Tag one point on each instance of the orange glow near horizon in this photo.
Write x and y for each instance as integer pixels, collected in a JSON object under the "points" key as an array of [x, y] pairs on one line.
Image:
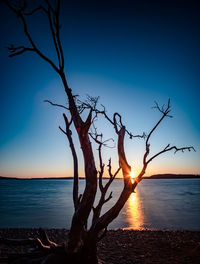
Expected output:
{"points": [[46, 172]]}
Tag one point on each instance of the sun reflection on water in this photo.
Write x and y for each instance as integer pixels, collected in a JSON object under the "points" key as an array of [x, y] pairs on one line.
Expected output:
{"points": [[134, 212]]}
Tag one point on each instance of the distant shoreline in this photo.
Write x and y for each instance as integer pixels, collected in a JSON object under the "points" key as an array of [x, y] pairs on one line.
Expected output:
{"points": [[156, 176]]}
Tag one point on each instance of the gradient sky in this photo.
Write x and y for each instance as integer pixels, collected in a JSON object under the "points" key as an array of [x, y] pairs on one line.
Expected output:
{"points": [[128, 52]]}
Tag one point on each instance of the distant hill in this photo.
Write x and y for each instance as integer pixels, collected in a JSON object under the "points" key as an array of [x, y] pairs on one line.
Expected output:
{"points": [[48, 178], [8, 178], [174, 176]]}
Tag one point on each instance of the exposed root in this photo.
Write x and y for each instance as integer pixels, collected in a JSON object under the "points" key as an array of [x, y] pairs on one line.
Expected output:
{"points": [[43, 250]]}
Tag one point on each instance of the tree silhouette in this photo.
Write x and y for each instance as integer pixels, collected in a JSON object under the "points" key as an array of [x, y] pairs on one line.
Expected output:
{"points": [[81, 243]]}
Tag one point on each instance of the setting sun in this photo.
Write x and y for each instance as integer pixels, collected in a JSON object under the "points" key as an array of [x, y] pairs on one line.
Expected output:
{"points": [[132, 174]]}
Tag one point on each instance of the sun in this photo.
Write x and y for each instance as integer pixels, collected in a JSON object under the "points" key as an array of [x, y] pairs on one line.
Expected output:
{"points": [[132, 174]]}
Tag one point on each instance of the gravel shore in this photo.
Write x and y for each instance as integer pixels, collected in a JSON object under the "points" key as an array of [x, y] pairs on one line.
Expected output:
{"points": [[127, 246]]}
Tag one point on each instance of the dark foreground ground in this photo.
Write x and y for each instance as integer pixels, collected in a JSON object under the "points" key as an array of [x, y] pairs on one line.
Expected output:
{"points": [[128, 246]]}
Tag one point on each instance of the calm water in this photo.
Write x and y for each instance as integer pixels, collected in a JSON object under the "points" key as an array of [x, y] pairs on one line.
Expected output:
{"points": [[157, 204]]}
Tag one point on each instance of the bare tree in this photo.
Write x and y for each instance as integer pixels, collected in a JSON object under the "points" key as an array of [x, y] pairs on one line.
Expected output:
{"points": [[81, 243]]}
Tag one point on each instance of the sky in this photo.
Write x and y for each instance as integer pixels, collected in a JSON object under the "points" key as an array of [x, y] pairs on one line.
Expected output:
{"points": [[130, 53]]}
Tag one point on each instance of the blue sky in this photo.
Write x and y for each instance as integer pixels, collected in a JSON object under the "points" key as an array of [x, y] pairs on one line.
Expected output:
{"points": [[129, 53]]}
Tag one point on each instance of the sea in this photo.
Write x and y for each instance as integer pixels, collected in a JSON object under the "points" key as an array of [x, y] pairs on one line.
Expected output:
{"points": [[167, 204]]}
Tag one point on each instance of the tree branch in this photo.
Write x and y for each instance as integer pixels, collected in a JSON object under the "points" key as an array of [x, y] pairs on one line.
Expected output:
{"points": [[14, 51], [117, 125], [102, 222], [97, 210], [57, 25], [68, 133], [54, 36], [30, 13], [165, 113], [19, 13], [109, 197], [167, 148], [59, 105]]}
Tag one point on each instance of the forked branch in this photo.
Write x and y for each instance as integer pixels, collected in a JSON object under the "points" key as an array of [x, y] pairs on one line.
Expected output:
{"points": [[116, 121], [165, 113], [104, 189], [103, 221], [18, 50], [14, 51]]}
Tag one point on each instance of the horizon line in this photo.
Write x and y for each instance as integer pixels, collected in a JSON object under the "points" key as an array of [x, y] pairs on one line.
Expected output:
{"points": [[173, 175]]}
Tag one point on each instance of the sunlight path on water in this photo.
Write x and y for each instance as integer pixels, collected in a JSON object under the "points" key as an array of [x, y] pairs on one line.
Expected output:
{"points": [[134, 211]]}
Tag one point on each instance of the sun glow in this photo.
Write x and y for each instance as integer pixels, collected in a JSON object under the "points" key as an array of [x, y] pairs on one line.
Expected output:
{"points": [[132, 174]]}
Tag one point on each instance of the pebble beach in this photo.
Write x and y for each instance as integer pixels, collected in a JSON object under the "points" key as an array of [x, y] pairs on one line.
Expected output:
{"points": [[126, 246]]}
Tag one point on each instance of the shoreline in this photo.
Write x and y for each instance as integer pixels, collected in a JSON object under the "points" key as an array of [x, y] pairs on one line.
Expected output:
{"points": [[126, 246]]}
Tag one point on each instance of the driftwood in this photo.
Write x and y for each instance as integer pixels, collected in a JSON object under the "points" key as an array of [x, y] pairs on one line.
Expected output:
{"points": [[39, 249]]}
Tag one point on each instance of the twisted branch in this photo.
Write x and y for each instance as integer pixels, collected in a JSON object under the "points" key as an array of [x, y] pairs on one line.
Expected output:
{"points": [[118, 125]]}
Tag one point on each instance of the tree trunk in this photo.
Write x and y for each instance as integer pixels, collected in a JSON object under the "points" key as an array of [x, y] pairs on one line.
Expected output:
{"points": [[87, 254]]}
